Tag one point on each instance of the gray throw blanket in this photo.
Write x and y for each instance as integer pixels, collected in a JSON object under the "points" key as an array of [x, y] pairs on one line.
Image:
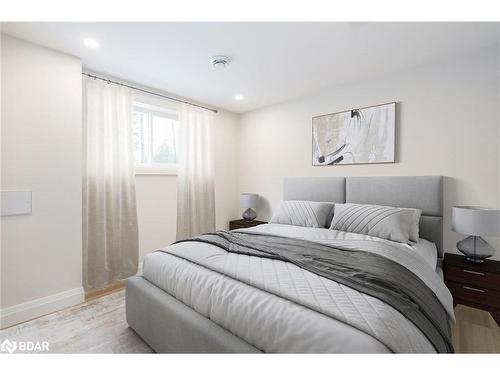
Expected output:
{"points": [[363, 271]]}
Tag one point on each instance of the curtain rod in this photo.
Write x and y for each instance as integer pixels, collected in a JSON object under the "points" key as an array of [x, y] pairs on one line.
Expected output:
{"points": [[148, 92]]}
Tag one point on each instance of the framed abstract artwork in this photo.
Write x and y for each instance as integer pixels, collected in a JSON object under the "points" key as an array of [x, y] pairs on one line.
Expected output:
{"points": [[359, 136]]}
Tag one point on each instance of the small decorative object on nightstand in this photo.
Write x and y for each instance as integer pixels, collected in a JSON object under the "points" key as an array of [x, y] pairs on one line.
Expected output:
{"points": [[238, 224], [249, 201], [476, 285], [476, 221]]}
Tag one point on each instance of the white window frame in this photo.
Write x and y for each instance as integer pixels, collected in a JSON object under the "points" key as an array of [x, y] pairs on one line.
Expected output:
{"points": [[156, 168]]}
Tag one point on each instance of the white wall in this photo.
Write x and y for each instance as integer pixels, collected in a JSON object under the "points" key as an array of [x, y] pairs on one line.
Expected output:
{"points": [[227, 154], [156, 197], [41, 253], [448, 124], [157, 194]]}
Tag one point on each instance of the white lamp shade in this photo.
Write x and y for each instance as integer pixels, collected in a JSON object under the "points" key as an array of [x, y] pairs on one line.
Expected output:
{"points": [[476, 221], [249, 200]]}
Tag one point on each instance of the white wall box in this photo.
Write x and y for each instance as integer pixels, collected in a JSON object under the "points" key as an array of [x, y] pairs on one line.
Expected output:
{"points": [[15, 202]]}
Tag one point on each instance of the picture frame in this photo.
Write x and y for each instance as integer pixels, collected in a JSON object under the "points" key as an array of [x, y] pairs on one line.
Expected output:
{"points": [[365, 135]]}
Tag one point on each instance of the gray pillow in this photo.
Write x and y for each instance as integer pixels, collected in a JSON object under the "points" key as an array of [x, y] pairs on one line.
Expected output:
{"points": [[390, 223], [303, 213]]}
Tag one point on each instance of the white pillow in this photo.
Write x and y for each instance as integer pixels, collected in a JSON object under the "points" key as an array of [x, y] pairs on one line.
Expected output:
{"points": [[427, 250], [390, 223], [303, 213]]}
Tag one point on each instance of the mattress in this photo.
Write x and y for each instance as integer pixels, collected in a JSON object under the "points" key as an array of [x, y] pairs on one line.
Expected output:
{"points": [[279, 307]]}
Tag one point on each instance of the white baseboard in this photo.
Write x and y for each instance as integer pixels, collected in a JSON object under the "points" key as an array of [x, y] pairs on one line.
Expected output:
{"points": [[33, 309]]}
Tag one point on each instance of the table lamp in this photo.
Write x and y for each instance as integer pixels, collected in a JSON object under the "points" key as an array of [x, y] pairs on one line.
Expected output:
{"points": [[249, 202], [476, 222]]}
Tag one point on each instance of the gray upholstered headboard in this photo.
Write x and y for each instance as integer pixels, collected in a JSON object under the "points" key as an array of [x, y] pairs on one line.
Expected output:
{"points": [[423, 192]]}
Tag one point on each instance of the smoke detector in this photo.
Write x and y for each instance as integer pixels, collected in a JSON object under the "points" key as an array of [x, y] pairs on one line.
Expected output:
{"points": [[220, 62]]}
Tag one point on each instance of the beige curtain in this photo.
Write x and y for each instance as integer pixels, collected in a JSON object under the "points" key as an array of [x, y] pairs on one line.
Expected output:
{"points": [[110, 234], [195, 179]]}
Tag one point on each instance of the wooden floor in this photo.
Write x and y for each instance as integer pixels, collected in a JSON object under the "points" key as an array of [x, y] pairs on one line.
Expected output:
{"points": [[475, 331], [99, 326], [104, 292], [96, 326]]}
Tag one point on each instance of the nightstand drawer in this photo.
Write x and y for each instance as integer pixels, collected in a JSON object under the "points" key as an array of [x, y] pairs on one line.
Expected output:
{"points": [[473, 277], [475, 294], [240, 224]]}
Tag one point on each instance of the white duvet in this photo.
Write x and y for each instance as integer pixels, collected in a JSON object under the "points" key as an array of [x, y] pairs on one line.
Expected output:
{"points": [[279, 307]]}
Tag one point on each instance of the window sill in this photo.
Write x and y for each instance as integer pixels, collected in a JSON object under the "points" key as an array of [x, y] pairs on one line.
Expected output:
{"points": [[155, 171]]}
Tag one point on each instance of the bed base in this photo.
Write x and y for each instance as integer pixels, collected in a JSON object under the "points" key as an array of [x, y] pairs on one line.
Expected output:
{"points": [[169, 326]]}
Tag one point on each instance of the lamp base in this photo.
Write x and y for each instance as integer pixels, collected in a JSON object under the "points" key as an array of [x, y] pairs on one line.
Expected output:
{"points": [[475, 249], [249, 214], [475, 260]]}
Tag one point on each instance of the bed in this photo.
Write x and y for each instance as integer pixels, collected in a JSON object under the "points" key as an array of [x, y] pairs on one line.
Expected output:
{"points": [[195, 297]]}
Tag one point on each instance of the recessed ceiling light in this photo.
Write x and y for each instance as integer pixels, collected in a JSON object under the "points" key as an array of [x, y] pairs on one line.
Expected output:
{"points": [[239, 97], [91, 43]]}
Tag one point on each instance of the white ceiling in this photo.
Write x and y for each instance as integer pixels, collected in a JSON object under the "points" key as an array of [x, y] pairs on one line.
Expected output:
{"points": [[271, 62]]}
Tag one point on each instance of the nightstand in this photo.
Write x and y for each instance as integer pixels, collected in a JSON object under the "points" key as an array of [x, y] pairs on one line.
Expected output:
{"points": [[238, 224], [476, 285]]}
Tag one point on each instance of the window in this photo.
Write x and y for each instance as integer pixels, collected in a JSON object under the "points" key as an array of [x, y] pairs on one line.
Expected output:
{"points": [[155, 139]]}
